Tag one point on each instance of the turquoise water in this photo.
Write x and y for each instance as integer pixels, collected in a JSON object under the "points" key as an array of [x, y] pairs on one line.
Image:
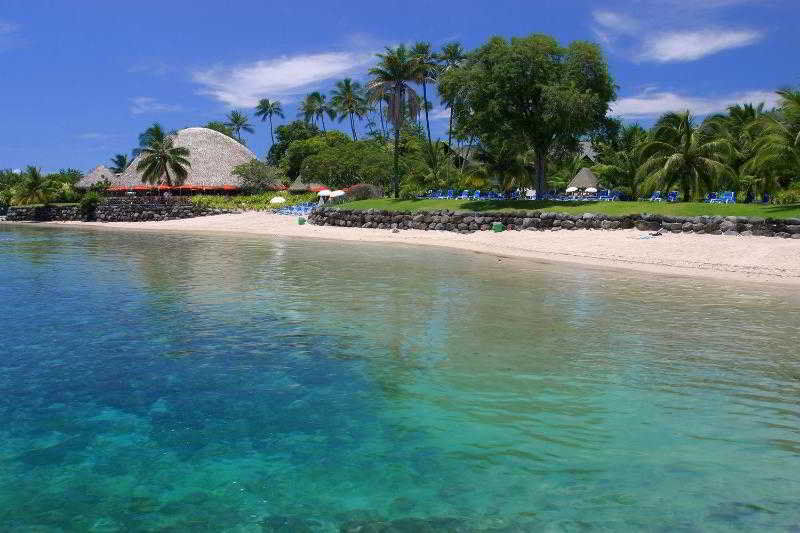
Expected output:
{"points": [[157, 382]]}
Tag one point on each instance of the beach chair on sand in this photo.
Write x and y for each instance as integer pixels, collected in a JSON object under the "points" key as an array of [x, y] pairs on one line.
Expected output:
{"points": [[672, 196], [656, 197]]}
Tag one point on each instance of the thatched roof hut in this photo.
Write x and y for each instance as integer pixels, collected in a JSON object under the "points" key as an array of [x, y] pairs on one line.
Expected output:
{"points": [[299, 186], [212, 155], [584, 179], [99, 174]]}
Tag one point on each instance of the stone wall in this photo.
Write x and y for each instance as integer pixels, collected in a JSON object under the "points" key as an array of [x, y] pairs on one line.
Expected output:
{"points": [[116, 210], [467, 222], [44, 214]]}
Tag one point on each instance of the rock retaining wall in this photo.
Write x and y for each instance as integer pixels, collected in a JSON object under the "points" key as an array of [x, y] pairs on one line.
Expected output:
{"points": [[114, 210], [467, 222]]}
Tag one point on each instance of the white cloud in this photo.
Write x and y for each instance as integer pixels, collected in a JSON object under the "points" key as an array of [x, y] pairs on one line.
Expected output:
{"points": [[7, 27], [652, 103], [693, 45], [440, 113], [616, 22], [96, 136], [146, 104], [283, 77]]}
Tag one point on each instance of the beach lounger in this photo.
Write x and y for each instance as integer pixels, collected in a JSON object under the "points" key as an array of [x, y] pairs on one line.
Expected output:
{"points": [[464, 195], [477, 195], [656, 197], [672, 196]]}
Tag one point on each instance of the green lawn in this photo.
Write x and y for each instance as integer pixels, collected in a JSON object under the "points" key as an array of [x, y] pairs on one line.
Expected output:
{"points": [[576, 208]]}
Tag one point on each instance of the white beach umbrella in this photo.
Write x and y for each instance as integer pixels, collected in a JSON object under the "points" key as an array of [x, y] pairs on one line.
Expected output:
{"points": [[572, 189], [336, 194], [591, 189], [277, 200], [325, 192]]}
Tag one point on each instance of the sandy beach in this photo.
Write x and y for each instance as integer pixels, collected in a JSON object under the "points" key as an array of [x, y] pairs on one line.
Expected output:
{"points": [[755, 259]]}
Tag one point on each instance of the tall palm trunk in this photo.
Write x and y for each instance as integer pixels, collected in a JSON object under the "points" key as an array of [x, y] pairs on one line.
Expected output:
{"points": [[271, 135], [353, 127], [425, 103], [380, 110], [396, 161], [322, 116], [450, 128]]}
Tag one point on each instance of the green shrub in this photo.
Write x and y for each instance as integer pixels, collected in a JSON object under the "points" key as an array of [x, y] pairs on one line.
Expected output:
{"points": [[258, 176], [88, 203], [251, 202], [787, 197]]}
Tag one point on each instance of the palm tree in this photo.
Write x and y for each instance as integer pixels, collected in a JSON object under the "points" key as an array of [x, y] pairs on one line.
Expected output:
{"points": [[778, 149], [33, 188], [315, 107], [391, 77], [503, 161], [620, 167], [163, 162], [348, 100], [119, 163], [742, 127], [680, 154], [266, 109], [220, 127], [156, 130], [428, 69], [452, 56], [238, 121]]}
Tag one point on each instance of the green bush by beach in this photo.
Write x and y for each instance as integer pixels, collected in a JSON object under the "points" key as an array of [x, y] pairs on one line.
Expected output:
{"points": [[575, 208], [252, 202]]}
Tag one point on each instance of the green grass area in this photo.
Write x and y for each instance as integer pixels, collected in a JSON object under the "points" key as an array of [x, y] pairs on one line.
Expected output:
{"points": [[254, 202], [576, 208]]}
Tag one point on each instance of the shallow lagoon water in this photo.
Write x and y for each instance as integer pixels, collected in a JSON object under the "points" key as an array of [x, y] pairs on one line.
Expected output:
{"points": [[164, 382]]}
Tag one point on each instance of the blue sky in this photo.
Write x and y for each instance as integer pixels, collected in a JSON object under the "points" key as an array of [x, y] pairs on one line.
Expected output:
{"points": [[82, 78]]}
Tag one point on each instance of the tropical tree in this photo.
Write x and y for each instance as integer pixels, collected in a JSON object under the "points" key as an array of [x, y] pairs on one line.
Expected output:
{"points": [[285, 135], [163, 162], [348, 99], [266, 109], [391, 77], [220, 127], [33, 188], [452, 56], [742, 127], [680, 154], [531, 90], [778, 148], [119, 163], [499, 160], [428, 69], [156, 130], [620, 158], [315, 107], [238, 121]]}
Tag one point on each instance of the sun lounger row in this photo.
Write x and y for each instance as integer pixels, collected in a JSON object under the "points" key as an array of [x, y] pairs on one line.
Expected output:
{"points": [[297, 209]]}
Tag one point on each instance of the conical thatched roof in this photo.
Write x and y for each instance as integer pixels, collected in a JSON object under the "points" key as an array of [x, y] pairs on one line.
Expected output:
{"points": [[100, 173], [212, 155], [299, 186], [583, 179]]}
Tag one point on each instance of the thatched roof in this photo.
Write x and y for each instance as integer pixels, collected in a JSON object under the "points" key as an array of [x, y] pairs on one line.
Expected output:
{"points": [[583, 179], [212, 155], [100, 173], [299, 186]]}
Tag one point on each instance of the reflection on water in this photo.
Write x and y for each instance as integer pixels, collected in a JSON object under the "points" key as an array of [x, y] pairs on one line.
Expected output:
{"points": [[183, 383]]}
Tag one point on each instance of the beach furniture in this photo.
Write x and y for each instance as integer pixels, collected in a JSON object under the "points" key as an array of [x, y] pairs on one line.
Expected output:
{"points": [[710, 198], [477, 195], [765, 198], [728, 197], [464, 195], [656, 197], [672, 196]]}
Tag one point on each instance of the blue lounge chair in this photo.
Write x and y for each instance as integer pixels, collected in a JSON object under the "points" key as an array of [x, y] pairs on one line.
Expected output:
{"points": [[464, 195], [710, 198], [450, 194], [656, 197], [672, 196], [765, 198], [729, 197], [477, 195]]}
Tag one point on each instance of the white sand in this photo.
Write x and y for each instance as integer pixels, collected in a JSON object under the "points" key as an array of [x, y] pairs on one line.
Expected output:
{"points": [[758, 259]]}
